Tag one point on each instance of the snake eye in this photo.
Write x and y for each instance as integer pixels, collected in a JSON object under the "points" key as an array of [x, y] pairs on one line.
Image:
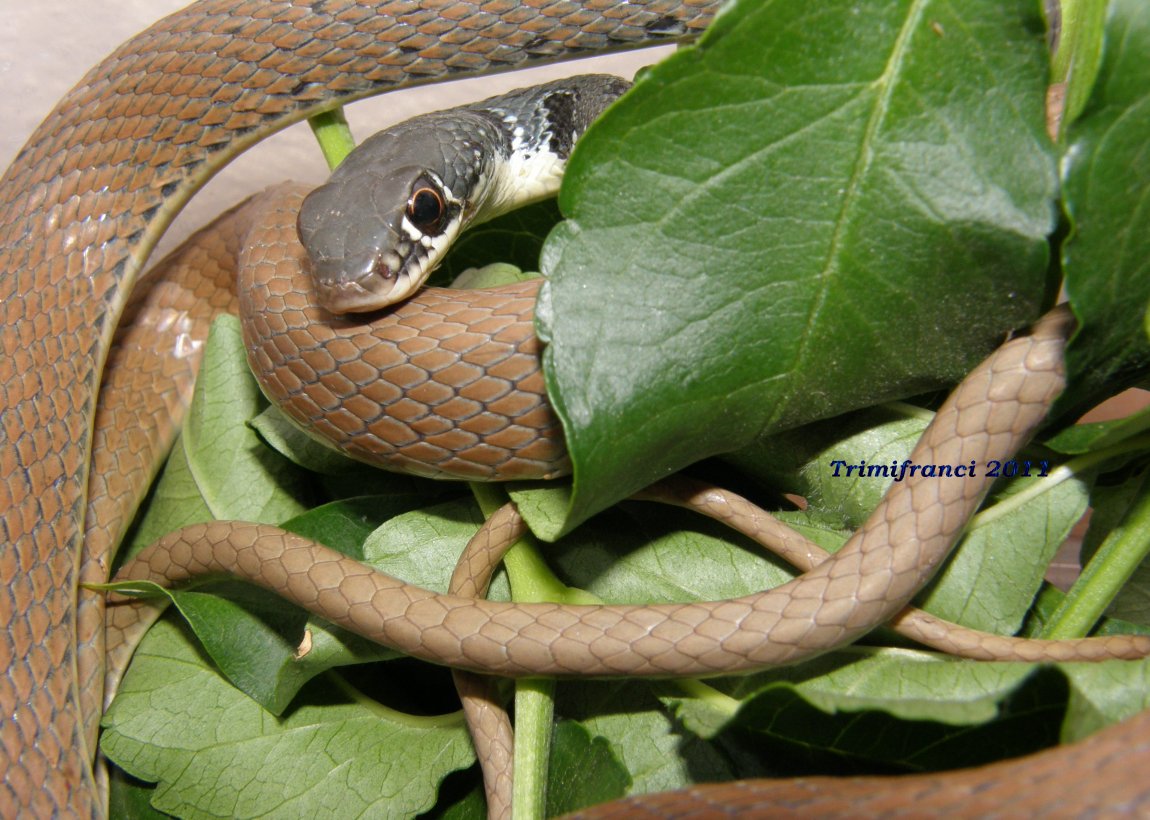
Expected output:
{"points": [[426, 210]]}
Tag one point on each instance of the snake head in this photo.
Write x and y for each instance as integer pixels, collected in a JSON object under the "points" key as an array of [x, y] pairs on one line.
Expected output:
{"points": [[372, 242], [382, 223]]}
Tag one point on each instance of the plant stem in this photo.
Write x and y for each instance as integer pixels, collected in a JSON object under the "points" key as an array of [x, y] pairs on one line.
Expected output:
{"points": [[531, 580], [1119, 555], [333, 135], [534, 715]]}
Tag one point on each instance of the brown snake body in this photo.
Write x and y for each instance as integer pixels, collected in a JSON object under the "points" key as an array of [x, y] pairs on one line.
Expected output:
{"points": [[79, 212]]}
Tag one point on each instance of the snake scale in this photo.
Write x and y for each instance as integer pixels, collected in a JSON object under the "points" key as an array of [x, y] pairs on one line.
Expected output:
{"points": [[79, 212]]}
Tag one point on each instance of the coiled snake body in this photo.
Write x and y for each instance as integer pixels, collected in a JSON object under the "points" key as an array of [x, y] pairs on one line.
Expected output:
{"points": [[79, 212]]}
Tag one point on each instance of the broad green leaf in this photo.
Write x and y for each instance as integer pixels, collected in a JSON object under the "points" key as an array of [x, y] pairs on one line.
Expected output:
{"points": [[1104, 693], [969, 714], [471, 807], [812, 210], [1107, 195], [298, 447], [346, 524], [422, 546], [918, 710], [360, 528], [269, 648], [252, 636], [639, 553], [583, 770], [130, 799], [657, 750], [233, 471], [841, 466], [176, 502], [908, 684], [219, 469], [215, 752], [991, 581]]}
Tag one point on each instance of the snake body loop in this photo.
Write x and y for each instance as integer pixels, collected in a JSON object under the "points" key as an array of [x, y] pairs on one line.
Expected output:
{"points": [[445, 385], [79, 212]]}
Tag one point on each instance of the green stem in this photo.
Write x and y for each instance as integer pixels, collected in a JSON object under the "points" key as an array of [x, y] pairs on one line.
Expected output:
{"points": [[333, 135], [531, 580], [1111, 567], [534, 716], [695, 688], [1073, 468]]}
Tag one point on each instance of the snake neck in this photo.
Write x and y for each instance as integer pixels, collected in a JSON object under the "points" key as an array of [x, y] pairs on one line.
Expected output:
{"points": [[539, 127]]}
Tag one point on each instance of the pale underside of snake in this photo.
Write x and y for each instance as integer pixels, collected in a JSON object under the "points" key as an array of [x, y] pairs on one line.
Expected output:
{"points": [[79, 214]]}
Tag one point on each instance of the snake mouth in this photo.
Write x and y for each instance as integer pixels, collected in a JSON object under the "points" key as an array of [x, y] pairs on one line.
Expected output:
{"points": [[376, 283]]}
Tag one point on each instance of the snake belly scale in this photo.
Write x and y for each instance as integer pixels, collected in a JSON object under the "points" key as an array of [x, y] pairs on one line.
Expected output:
{"points": [[79, 212]]}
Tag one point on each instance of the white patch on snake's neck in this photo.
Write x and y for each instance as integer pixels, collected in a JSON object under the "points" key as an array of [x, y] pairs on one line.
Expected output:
{"points": [[519, 180]]}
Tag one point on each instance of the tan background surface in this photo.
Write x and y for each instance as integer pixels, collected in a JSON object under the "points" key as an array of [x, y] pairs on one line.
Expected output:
{"points": [[48, 45]]}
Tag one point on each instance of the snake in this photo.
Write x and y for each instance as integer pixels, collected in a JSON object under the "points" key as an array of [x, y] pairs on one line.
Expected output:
{"points": [[80, 210]]}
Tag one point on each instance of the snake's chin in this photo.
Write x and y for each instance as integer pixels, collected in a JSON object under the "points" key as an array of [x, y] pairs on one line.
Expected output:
{"points": [[366, 295]]}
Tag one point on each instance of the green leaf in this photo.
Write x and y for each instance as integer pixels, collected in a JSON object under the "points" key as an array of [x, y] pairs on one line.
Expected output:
{"points": [[1079, 53], [1096, 436], [423, 546], [1103, 694], [219, 469], [583, 771], [515, 238], [810, 211], [945, 714], [346, 524], [298, 447], [639, 553], [130, 799], [1107, 195], [658, 751], [234, 473], [215, 752], [267, 647], [826, 462], [991, 580]]}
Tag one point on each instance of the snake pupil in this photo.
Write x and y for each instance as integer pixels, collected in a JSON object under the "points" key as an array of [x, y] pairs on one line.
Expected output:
{"points": [[426, 209]]}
